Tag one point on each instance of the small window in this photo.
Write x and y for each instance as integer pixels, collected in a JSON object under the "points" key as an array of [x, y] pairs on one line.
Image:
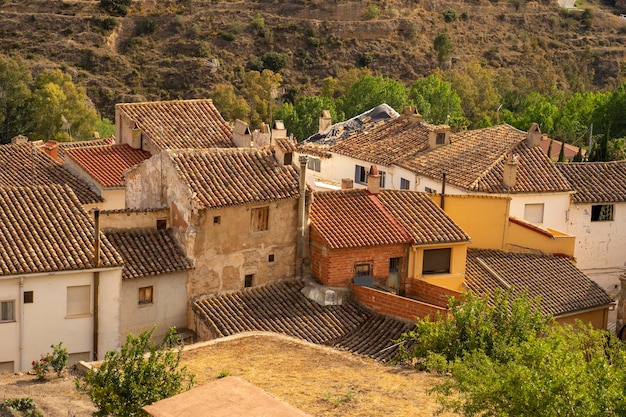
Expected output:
{"points": [[436, 261], [146, 295], [430, 190], [440, 139], [288, 158], [7, 310], [405, 184], [533, 213], [259, 219], [602, 213], [29, 297], [270, 258], [314, 164], [359, 175], [383, 177], [79, 300], [361, 270], [248, 280], [395, 265], [217, 220], [161, 224], [7, 367]]}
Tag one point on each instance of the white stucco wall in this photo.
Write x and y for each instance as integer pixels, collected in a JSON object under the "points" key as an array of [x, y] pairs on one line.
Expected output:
{"points": [[45, 321], [555, 209], [169, 307]]}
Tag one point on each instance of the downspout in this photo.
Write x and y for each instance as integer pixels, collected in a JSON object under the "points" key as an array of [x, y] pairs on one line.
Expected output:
{"points": [[443, 192], [301, 218], [96, 281], [21, 304]]}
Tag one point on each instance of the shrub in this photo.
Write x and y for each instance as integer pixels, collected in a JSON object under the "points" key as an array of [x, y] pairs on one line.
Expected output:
{"points": [[116, 7], [59, 358], [372, 11], [147, 26], [258, 22], [449, 15], [365, 60], [274, 61], [106, 23], [24, 405], [130, 379], [40, 367]]}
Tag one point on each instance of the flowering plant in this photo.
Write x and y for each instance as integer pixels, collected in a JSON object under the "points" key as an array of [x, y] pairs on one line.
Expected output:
{"points": [[41, 366]]}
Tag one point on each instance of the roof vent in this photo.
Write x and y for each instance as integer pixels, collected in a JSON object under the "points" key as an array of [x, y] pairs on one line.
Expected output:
{"points": [[533, 138]]}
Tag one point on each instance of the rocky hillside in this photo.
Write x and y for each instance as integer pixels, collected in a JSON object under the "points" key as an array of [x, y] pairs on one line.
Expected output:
{"points": [[161, 48]]}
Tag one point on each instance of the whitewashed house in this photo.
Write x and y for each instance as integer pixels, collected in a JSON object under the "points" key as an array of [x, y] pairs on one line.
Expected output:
{"points": [[53, 285]]}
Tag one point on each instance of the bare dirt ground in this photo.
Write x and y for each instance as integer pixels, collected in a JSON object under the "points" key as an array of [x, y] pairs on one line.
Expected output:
{"points": [[320, 381]]}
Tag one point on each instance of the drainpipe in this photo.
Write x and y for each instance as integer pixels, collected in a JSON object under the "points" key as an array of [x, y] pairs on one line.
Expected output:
{"points": [[301, 217], [21, 304], [96, 281], [443, 192]]}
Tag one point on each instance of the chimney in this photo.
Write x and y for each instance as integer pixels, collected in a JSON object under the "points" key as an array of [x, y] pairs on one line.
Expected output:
{"points": [[325, 121], [19, 139], [261, 138], [241, 134], [509, 176], [533, 138], [279, 131], [51, 148], [438, 137], [412, 113], [347, 183], [373, 180], [96, 135]]}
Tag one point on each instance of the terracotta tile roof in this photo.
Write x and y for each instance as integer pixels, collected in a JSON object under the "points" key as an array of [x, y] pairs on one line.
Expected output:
{"points": [[563, 288], [45, 229], [474, 161], [106, 164], [229, 177], [180, 124], [354, 218], [569, 153], [285, 144], [64, 146], [318, 151], [281, 308], [596, 182], [148, 252], [395, 140], [23, 165], [422, 218]]}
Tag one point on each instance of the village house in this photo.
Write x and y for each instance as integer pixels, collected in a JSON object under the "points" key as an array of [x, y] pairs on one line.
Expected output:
{"points": [[597, 217], [233, 211], [179, 124], [58, 283]]}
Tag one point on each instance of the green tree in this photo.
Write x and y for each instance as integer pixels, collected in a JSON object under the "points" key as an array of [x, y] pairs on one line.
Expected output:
{"points": [[302, 119], [63, 111], [260, 91], [443, 47], [534, 108], [371, 91], [435, 99], [579, 155], [105, 128], [138, 375], [230, 105], [476, 85], [15, 84], [576, 114], [561, 153]]}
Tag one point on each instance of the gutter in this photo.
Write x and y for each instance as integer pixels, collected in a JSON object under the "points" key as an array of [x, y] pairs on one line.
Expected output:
{"points": [[96, 282]]}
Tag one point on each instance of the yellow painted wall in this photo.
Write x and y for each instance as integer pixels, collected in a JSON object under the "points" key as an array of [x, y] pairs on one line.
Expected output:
{"points": [[523, 238], [454, 279], [598, 318]]}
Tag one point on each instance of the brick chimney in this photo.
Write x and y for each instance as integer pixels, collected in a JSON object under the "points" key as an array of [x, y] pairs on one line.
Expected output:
{"points": [[325, 121], [533, 137], [509, 176], [373, 180], [51, 148], [411, 112]]}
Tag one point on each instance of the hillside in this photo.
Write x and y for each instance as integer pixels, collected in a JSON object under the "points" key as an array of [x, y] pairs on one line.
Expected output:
{"points": [[159, 50]]}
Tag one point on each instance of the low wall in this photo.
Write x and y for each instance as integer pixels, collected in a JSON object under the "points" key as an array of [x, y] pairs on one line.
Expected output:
{"points": [[395, 305], [432, 294]]}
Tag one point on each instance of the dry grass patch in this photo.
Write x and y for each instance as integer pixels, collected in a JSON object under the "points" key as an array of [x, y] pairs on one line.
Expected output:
{"points": [[318, 380]]}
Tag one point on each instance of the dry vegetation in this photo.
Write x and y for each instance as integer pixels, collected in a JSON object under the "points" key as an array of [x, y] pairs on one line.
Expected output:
{"points": [[319, 380], [158, 51]]}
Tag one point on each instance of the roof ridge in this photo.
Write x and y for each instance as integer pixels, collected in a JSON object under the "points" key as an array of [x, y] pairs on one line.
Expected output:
{"points": [[491, 166]]}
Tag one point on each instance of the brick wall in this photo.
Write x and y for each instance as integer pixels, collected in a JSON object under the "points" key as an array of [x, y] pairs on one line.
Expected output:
{"points": [[335, 267], [429, 293], [395, 305]]}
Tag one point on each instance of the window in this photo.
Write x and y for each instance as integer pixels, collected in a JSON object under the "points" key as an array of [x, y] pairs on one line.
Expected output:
{"points": [[259, 218], [430, 190], [361, 270], [383, 176], [436, 261], [288, 158], [248, 280], [217, 220], [405, 184], [534, 213], [146, 295], [161, 224], [7, 367], [395, 264], [7, 310], [314, 164], [29, 297], [270, 258], [359, 175], [440, 139], [79, 300], [602, 213]]}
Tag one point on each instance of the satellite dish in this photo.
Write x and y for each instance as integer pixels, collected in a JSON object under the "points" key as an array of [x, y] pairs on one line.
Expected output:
{"points": [[213, 64]]}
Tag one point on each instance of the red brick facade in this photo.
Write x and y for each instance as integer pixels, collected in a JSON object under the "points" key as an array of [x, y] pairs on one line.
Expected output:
{"points": [[387, 303], [335, 267], [430, 293]]}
